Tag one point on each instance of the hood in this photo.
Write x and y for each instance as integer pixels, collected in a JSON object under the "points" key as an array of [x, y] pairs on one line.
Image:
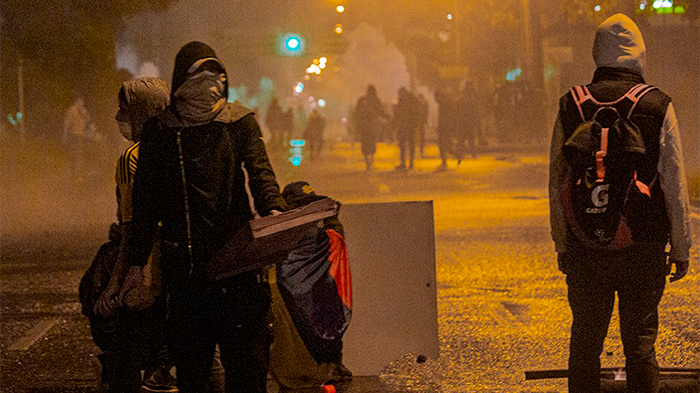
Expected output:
{"points": [[144, 98], [299, 193], [619, 44], [200, 84], [187, 56]]}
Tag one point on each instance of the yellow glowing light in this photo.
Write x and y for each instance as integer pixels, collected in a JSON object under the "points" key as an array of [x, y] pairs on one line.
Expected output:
{"points": [[338, 29], [340, 9], [316, 61]]}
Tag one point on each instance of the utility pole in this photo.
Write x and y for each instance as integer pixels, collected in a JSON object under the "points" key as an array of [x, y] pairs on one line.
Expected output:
{"points": [[534, 71], [532, 42], [527, 39], [2, 113], [20, 96], [458, 36]]}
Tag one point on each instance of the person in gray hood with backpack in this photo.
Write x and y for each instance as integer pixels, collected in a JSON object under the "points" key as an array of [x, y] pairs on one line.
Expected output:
{"points": [[191, 179], [129, 332], [618, 197]]}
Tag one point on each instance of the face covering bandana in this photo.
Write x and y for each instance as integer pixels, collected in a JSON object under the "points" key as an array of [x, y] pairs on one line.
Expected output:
{"points": [[125, 130], [200, 98]]}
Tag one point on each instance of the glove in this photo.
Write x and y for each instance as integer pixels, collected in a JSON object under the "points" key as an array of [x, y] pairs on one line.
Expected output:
{"points": [[681, 269]]}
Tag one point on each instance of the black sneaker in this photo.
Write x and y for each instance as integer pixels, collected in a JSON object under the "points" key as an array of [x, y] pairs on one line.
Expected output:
{"points": [[160, 380]]}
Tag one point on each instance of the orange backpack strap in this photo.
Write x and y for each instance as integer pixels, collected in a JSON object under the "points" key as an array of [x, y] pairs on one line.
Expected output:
{"points": [[581, 94], [635, 94]]}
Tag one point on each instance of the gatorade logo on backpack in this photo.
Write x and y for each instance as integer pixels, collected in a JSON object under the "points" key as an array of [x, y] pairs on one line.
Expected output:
{"points": [[603, 153]]}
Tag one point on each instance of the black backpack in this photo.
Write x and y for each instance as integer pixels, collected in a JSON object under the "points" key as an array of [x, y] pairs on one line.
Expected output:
{"points": [[604, 153]]}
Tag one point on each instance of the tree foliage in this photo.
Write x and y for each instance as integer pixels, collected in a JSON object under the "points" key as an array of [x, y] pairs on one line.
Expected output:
{"points": [[67, 49]]}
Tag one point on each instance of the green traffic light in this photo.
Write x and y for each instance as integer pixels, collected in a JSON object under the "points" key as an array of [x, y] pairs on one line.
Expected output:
{"points": [[291, 45]]}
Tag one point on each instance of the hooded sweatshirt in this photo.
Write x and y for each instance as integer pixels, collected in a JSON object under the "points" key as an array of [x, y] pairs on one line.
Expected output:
{"points": [[200, 85], [619, 53], [191, 171], [144, 98], [619, 44]]}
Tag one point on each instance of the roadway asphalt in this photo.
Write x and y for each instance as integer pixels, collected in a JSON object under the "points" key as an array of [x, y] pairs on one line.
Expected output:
{"points": [[502, 306]]}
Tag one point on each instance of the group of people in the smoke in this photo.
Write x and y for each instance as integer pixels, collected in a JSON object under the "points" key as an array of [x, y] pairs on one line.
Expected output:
{"points": [[201, 142], [185, 200], [407, 124]]}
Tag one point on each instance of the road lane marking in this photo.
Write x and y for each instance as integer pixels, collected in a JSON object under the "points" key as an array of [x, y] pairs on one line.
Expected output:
{"points": [[499, 314], [33, 335]]}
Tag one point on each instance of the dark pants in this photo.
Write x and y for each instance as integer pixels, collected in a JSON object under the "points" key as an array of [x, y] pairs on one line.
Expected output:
{"points": [[407, 146], [638, 276], [466, 143], [232, 313], [132, 342], [444, 143]]}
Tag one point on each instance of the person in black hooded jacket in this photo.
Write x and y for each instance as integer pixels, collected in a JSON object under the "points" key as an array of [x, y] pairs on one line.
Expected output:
{"points": [[191, 178]]}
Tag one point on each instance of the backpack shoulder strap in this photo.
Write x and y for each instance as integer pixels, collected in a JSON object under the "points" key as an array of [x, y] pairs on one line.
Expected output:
{"points": [[584, 99], [635, 94], [581, 95]]}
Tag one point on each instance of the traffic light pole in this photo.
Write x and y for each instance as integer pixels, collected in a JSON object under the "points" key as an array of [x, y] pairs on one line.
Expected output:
{"points": [[20, 96], [2, 114], [534, 71]]}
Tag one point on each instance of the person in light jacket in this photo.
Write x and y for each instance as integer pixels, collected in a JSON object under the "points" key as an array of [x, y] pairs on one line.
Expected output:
{"points": [[637, 273]]}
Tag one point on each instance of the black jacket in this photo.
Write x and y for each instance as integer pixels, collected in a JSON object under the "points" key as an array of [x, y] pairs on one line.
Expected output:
{"points": [[214, 157]]}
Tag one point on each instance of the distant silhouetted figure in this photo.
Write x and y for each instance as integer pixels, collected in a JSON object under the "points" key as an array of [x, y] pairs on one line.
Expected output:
{"points": [[287, 127], [274, 120], [422, 115], [75, 133], [407, 121], [465, 136], [313, 133], [368, 115], [447, 117]]}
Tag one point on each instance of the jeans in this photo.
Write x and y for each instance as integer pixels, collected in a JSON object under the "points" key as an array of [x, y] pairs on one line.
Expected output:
{"points": [[637, 275]]}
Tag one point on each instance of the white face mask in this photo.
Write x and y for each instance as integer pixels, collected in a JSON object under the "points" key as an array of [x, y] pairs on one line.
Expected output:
{"points": [[125, 130]]}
